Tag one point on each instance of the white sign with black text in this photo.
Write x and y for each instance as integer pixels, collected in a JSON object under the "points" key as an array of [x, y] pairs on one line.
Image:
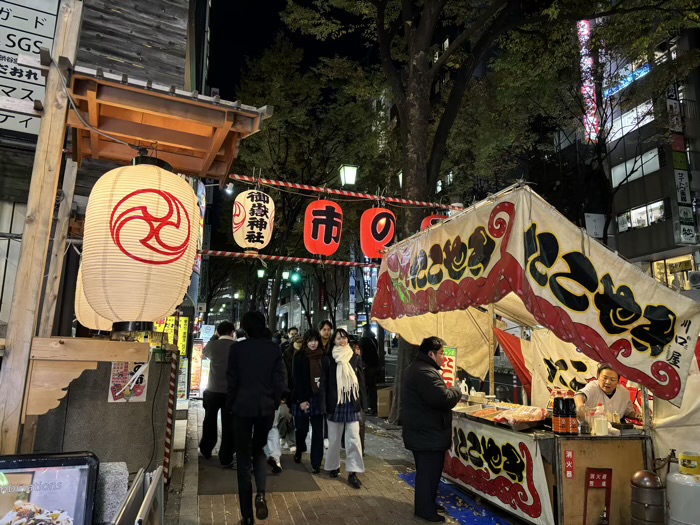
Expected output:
{"points": [[25, 27]]}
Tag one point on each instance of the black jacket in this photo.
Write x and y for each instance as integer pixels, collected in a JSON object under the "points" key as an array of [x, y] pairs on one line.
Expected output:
{"points": [[329, 383], [370, 350], [426, 406], [301, 372], [256, 378]]}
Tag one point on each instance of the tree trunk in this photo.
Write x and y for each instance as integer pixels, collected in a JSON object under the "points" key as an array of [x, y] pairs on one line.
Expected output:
{"points": [[415, 158]]}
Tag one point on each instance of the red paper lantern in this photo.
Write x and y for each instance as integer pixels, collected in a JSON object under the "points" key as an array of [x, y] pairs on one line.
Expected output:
{"points": [[377, 230], [323, 227], [431, 220]]}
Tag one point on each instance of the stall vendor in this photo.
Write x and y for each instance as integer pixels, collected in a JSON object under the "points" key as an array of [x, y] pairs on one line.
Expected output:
{"points": [[608, 391]]}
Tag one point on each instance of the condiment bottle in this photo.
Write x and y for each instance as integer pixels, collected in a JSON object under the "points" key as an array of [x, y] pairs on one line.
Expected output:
{"points": [[572, 420], [559, 415], [600, 421]]}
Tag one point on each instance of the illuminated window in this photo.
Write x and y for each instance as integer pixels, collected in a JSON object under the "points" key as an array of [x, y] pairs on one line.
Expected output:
{"points": [[635, 168], [656, 212], [638, 217], [642, 216], [632, 120]]}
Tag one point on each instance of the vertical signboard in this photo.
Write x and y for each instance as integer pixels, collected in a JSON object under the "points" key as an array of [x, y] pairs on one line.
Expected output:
{"points": [[449, 366], [686, 217], [25, 27]]}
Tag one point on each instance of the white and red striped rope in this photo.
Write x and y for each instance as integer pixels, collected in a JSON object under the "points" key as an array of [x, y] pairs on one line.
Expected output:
{"points": [[172, 389], [343, 193], [280, 258]]}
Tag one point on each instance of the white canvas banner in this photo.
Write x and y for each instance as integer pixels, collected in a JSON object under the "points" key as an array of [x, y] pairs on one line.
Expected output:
{"points": [[574, 286], [502, 466], [556, 364]]}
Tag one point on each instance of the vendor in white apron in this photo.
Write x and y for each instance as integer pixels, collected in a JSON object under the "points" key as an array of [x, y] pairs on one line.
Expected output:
{"points": [[608, 391]]}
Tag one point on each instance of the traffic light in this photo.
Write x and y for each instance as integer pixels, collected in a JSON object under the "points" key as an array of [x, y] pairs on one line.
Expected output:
{"points": [[295, 278]]}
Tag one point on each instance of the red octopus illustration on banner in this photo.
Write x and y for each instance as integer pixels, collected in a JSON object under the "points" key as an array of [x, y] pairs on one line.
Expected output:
{"points": [[583, 292], [498, 464], [431, 220], [166, 218]]}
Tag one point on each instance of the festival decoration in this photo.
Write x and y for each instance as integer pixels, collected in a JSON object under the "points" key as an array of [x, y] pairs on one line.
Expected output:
{"points": [[140, 242], [253, 219], [377, 230], [431, 220], [86, 316], [323, 227]]}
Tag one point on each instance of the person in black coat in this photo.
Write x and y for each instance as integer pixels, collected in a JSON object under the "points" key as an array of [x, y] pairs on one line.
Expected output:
{"points": [[307, 399], [426, 414], [370, 359], [256, 379]]}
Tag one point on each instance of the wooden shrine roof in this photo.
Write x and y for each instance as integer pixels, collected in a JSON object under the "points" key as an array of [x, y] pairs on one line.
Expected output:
{"points": [[196, 135]]}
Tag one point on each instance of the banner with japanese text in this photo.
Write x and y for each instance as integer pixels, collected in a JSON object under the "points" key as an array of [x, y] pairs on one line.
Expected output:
{"points": [[502, 466], [449, 366], [584, 293]]}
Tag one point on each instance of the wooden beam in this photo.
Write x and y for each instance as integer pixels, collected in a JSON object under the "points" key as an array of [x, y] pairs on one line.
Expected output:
{"points": [[58, 250], [37, 230], [130, 98], [216, 142], [83, 349], [161, 121], [153, 134], [93, 116]]}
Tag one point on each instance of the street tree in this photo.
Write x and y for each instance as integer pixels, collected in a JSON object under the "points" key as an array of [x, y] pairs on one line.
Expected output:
{"points": [[431, 52]]}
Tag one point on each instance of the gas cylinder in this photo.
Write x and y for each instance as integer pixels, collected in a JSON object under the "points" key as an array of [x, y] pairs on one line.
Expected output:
{"points": [[683, 493], [648, 499]]}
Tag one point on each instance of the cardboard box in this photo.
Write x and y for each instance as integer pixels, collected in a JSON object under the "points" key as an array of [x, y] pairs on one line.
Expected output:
{"points": [[385, 397]]}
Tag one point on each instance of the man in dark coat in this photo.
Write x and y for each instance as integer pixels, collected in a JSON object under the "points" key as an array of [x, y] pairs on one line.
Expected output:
{"points": [[370, 360], [426, 414], [256, 379]]}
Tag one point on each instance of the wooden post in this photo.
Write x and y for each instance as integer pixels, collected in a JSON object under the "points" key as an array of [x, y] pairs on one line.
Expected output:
{"points": [[37, 229], [58, 250], [492, 359], [48, 310]]}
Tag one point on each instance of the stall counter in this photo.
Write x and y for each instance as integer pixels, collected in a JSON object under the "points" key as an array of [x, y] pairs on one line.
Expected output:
{"points": [[524, 473]]}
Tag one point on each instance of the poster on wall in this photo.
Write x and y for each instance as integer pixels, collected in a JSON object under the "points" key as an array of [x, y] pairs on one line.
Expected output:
{"points": [[182, 379], [166, 326], [182, 332], [196, 375], [122, 374], [502, 466], [449, 366]]}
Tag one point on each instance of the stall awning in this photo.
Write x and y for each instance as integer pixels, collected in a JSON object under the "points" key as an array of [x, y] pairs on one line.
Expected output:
{"points": [[568, 282]]}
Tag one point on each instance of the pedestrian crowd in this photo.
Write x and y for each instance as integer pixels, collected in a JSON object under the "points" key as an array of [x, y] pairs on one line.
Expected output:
{"points": [[272, 391]]}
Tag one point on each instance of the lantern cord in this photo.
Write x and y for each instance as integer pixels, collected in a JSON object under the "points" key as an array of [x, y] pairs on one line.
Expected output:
{"points": [[73, 105], [344, 193]]}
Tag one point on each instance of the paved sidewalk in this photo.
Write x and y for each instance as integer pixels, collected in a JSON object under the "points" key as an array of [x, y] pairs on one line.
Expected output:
{"points": [[383, 499]]}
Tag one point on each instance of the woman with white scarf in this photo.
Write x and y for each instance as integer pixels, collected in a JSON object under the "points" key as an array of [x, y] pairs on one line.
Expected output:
{"points": [[344, 389]]}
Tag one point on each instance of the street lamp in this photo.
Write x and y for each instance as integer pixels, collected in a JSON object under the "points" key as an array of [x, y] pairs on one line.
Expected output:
{"points": [[285, 275], [400, 179], [261, 273], [236, 296], [348, 174]]}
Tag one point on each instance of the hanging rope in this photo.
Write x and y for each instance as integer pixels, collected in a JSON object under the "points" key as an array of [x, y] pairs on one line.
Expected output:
{"points": [[280, 258], [344, 193]]}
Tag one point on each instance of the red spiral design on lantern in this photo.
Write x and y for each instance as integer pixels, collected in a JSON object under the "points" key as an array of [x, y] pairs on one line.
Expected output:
{"points": [[175, 216]]}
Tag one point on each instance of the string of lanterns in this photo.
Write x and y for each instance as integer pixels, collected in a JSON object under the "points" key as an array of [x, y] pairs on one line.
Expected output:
{"points": [[142, 232], [253, 223]]}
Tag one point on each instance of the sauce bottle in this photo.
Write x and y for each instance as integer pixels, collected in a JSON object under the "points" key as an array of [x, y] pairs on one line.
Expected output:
{"points": [[571, 413], [559, 414]]}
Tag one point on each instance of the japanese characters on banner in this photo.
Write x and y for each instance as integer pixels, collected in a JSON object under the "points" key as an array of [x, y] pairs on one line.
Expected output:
{"points": [[196, 374], [502, 466], [377, 230], [182, 379], [182, 333], [584, 293], [686, 218], [449, 366], [25, 27], [323, 227], [122, 373], [253, 219]]}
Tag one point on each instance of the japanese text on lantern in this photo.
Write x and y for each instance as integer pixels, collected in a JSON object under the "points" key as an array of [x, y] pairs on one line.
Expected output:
{"points": [[253, 219]]}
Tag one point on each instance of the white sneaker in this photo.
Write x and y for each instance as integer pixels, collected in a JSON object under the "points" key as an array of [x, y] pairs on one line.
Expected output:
{"points": [[326, 443]]}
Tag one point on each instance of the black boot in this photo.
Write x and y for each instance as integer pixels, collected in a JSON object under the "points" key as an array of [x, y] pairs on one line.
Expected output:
{"points": [[260, 506], [354, 481]]}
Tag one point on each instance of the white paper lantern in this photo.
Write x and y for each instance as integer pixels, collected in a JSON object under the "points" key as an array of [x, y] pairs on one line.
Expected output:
{"points": [[253, 219], [139, 244], [86, 316]]}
